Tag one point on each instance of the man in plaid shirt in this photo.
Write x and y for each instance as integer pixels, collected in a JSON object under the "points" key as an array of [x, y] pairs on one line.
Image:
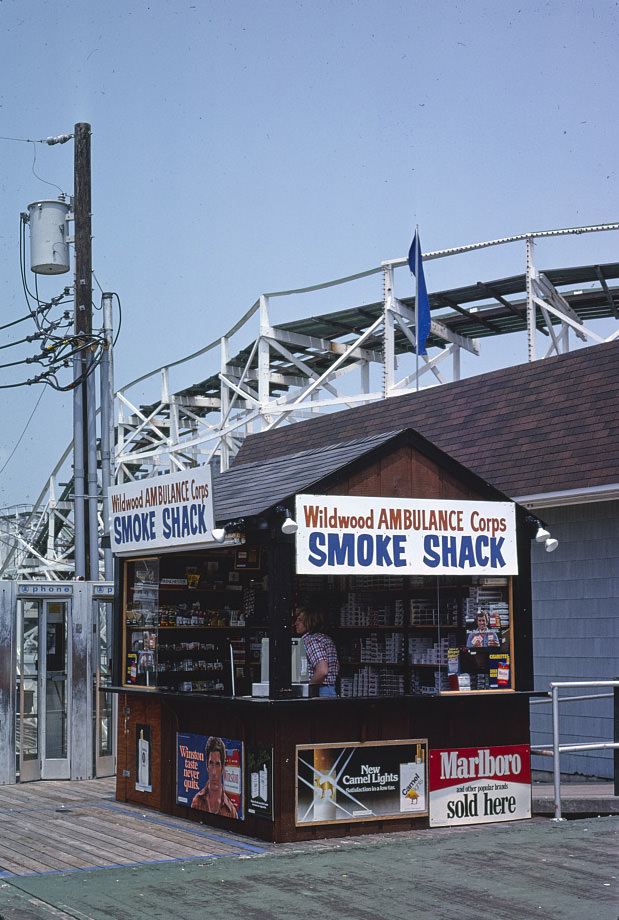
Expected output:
{"points": [[320, 649]]}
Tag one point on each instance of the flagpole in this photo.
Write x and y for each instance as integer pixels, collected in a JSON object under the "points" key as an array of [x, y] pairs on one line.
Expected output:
{"points": [[417, 248]]}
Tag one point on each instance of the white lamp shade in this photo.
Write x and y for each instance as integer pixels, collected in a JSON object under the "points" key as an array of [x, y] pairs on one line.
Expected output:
{"points": [[289, 526], [551, 545], [219, 534], [542, 535]]}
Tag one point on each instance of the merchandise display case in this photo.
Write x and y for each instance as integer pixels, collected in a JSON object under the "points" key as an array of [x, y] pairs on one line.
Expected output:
{"points": [[195, 623], [417, 635], [192, 623]]}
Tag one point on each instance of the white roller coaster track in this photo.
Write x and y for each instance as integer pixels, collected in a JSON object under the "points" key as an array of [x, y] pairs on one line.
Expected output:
{"points": [[284, 375]]}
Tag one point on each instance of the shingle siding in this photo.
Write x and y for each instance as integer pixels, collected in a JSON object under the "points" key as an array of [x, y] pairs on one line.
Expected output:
{"points": [[576, 628]]}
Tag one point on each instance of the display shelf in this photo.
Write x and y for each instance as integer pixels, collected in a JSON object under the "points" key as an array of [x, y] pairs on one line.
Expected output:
{"points": [[239, 627], [188, 673], [427, 664], [383, 664], [391, 627], [434, 626], [177, 589], [428, 626], [182, 615]]}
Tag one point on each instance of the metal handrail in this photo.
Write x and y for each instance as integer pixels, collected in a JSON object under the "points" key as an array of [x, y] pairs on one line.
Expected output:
{"points": [[557, 748]]}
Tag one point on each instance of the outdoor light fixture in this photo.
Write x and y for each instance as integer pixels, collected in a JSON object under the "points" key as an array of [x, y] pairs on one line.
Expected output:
{"points": [[543, 536], [289, 526], [219, 533]]}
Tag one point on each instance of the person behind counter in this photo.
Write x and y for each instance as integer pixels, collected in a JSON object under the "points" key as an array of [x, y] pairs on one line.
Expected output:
{"points": [[212, 797], [322, 661]]}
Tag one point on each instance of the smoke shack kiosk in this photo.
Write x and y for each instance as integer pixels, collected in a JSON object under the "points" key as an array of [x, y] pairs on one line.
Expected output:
{"points": [[422, 570]]}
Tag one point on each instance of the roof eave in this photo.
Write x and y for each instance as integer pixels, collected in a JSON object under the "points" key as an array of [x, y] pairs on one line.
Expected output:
{"points": [[606, 493]]}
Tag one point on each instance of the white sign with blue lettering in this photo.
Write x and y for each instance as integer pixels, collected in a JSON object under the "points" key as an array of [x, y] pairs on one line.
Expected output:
{"points": [[347, 534], [162, 513]]}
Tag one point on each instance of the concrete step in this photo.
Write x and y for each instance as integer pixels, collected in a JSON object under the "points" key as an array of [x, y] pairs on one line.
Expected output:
{"points": [[577, 799]]}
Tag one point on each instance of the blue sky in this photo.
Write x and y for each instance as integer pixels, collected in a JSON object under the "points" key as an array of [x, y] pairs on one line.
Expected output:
{"points": [[244, 147]]}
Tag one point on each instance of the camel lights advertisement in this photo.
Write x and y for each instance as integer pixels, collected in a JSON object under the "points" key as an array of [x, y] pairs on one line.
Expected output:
{"points": [[370, 781], [345, 534], [479, 785]]}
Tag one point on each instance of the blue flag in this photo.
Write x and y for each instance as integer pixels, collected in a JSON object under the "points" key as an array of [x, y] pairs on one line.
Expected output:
{"points": [[423, 302]]}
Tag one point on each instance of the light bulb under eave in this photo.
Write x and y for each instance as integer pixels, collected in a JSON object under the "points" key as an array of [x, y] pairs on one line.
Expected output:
{"points": [[219, 534], [289, 526], [551, 545], [542, 535]]}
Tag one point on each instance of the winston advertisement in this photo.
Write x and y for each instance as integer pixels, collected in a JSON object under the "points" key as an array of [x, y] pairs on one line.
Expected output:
{"points": [[361, 782], [345, 534], [209, 774], [479, 785]]}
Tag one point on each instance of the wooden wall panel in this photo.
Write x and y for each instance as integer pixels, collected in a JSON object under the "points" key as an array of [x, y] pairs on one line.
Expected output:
{"points": [[134, 711], [446, 722], [405, 473], [396, 474]]}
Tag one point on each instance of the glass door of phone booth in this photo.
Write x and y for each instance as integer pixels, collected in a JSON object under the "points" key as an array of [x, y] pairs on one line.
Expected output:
{"points": [[43, 689], [105, 703]]}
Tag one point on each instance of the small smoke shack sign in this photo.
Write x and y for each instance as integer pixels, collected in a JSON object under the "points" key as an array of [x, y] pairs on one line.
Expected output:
{"points": [[162, 513], [479, 785]]}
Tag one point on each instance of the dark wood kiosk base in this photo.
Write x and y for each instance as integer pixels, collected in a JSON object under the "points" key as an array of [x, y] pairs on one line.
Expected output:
{"points": [[450, 722]]}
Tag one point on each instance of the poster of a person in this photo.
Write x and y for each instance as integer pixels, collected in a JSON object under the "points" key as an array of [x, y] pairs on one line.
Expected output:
{"points": [[213, 797], [482, 636], [210, 774]]}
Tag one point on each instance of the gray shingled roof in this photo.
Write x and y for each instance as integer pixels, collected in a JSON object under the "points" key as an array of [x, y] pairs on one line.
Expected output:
{"points": [[249, 489]]}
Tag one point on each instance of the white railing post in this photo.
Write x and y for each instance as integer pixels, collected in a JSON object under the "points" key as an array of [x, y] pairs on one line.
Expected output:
{"points": [[556, 754]]}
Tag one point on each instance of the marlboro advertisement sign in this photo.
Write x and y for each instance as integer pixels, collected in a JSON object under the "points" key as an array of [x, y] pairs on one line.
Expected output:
{"points": [[349, 534], [479, 785]]}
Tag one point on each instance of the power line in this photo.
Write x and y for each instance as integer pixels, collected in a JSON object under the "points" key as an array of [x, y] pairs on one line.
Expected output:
{"points": [[8, 460], [50, 141], [25, 140], [23, 318]]}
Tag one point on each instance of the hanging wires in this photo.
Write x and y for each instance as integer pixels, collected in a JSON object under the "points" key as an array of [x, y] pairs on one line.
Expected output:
{"points": [[16, 321], [59, 344], [61, 349], [50, 141], [120, 317], [22, 140], [34, 160], [21, 437]]}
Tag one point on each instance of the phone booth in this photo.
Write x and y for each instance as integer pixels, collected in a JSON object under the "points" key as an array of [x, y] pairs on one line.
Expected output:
{"points": [[57, 718]]}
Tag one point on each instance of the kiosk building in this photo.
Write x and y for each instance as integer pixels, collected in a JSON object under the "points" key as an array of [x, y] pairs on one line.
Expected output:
{"points": [[405, 550]]}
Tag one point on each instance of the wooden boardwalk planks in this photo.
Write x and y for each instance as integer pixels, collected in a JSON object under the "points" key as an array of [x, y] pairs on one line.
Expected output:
{"points": [[66, 826]]}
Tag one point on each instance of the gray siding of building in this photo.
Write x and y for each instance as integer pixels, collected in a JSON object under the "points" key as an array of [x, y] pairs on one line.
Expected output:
{"points": [[576, 629]]}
